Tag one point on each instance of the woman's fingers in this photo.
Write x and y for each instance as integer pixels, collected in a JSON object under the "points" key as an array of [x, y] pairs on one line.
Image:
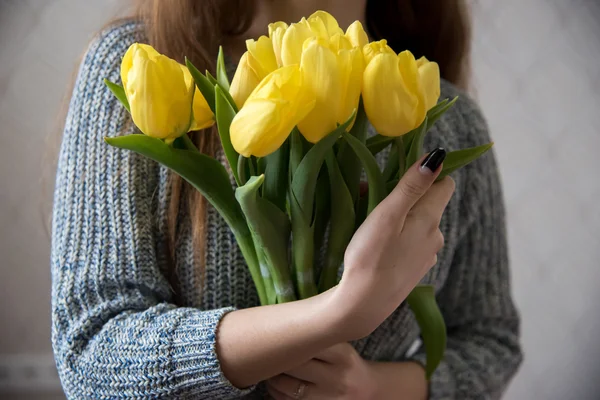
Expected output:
{"points": [[433, 203], [313, 371], [416, 181], [290, 387]]}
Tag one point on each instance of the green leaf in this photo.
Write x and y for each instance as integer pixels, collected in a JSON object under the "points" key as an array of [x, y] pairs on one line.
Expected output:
{"points": [[211, 78], [377, 143], [242, 169], [305, 177], [303, 248], [296, 151], [348, 162], [276, 176], [203, 84], [322, 210], [341, 226], [119, 93], [271, 230], [222, 78], [416, 145], [375, 178], [224, 114], [210, 178], [458, 159], [433, 329], [436, 112]]}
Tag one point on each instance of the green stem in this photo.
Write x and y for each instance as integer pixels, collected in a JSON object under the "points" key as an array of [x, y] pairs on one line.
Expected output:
{"points": [[187, 142], [244, 240]]}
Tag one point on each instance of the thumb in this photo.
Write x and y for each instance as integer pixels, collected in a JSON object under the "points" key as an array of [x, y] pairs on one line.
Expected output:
{"points": [[418, 179]]}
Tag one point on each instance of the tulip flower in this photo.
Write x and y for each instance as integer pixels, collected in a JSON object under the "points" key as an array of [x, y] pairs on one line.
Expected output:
{"points": [[270, 113], [319, 25], [254, 66], [159, 92], [374, 48], [398, 91], [332, 71]]}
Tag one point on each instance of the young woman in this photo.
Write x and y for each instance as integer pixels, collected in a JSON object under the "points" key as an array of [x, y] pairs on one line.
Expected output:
{"points": [[151, 296]]}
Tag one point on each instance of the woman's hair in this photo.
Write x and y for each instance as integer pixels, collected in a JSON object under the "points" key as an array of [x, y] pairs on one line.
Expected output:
{"points": [[437, 29]]}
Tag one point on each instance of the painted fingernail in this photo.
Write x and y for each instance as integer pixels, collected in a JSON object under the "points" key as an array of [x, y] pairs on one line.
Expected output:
{"points": [[433, 161]]}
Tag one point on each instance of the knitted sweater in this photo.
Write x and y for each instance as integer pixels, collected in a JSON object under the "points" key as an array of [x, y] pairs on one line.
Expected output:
{"points": [[116, 331]]}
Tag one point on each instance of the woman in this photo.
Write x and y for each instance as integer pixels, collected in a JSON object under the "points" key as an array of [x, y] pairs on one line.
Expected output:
{"points": [[151, 296]]}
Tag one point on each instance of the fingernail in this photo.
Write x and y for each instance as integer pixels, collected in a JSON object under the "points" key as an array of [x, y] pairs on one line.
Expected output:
{"points": [[433, 161]]}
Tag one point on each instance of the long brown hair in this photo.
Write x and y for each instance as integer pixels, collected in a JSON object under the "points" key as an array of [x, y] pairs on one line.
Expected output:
{"points": [[437, 29]]}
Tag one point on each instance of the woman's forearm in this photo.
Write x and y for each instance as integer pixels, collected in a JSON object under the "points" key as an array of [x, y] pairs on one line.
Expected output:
{"points": [[257, 343], [404, 380]]}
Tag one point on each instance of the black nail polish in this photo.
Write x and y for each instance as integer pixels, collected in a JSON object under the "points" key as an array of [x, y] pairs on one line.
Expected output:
{"points": [[434, 159]]}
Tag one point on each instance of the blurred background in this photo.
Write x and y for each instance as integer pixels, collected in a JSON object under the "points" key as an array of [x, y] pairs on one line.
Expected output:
{"points": [[536, 76]]}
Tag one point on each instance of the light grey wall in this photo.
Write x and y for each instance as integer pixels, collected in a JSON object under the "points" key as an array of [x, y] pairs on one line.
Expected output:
{"points": [[537, 78]]}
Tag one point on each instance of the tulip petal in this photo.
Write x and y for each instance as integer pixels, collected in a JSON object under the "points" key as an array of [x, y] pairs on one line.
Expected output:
{"points": [[412, 80], [430, 81], [293, 41], [244, 81], [329, 22], [276, 32], [352, 67], [261, 56], [322, 75], [375, 48], [357, 35]]}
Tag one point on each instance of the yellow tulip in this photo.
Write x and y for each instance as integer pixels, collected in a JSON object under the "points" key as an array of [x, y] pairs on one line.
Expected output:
{"points": [[319, 25], [270, 113], [332, 71], [397, 92], [255, 64], [159, 93], [276, 32], [357, 35], [374, 48]]}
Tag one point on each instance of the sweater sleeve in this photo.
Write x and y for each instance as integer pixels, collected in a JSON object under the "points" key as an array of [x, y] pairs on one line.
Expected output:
{"points": [[115, 332], [483, 350]]}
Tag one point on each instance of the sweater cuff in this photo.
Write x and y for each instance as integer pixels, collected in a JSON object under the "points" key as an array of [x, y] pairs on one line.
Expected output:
{"points": [[441, 383], [195, 365]]}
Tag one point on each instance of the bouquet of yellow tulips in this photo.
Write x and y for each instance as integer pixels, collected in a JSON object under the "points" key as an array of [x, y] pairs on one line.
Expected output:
{"points": [[293, 127]]}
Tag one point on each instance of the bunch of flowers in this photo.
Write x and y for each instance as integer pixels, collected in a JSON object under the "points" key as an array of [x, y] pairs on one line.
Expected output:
{"points": [[293, 128]]}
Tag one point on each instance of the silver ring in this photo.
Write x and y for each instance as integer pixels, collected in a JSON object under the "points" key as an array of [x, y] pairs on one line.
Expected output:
{"points": [[299, 393]]}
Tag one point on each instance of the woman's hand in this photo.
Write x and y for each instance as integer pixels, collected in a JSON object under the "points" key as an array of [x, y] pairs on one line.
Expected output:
{"points": [[394, 248], [336, 373]]}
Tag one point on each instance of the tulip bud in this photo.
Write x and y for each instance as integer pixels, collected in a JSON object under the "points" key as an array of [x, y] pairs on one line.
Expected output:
{"points": [[270, 113], [159, 93], [255, 64], [397, 92]]}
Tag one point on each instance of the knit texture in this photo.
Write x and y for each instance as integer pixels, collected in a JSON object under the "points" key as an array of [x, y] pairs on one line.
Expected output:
{"points": [[116, 331]]}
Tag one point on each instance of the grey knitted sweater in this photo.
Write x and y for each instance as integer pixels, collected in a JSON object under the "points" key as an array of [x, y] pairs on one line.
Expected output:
{"points": [[116, 331]]}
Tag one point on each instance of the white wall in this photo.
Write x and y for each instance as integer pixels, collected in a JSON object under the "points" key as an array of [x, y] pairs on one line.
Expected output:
{"points": [[537, 78]]}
